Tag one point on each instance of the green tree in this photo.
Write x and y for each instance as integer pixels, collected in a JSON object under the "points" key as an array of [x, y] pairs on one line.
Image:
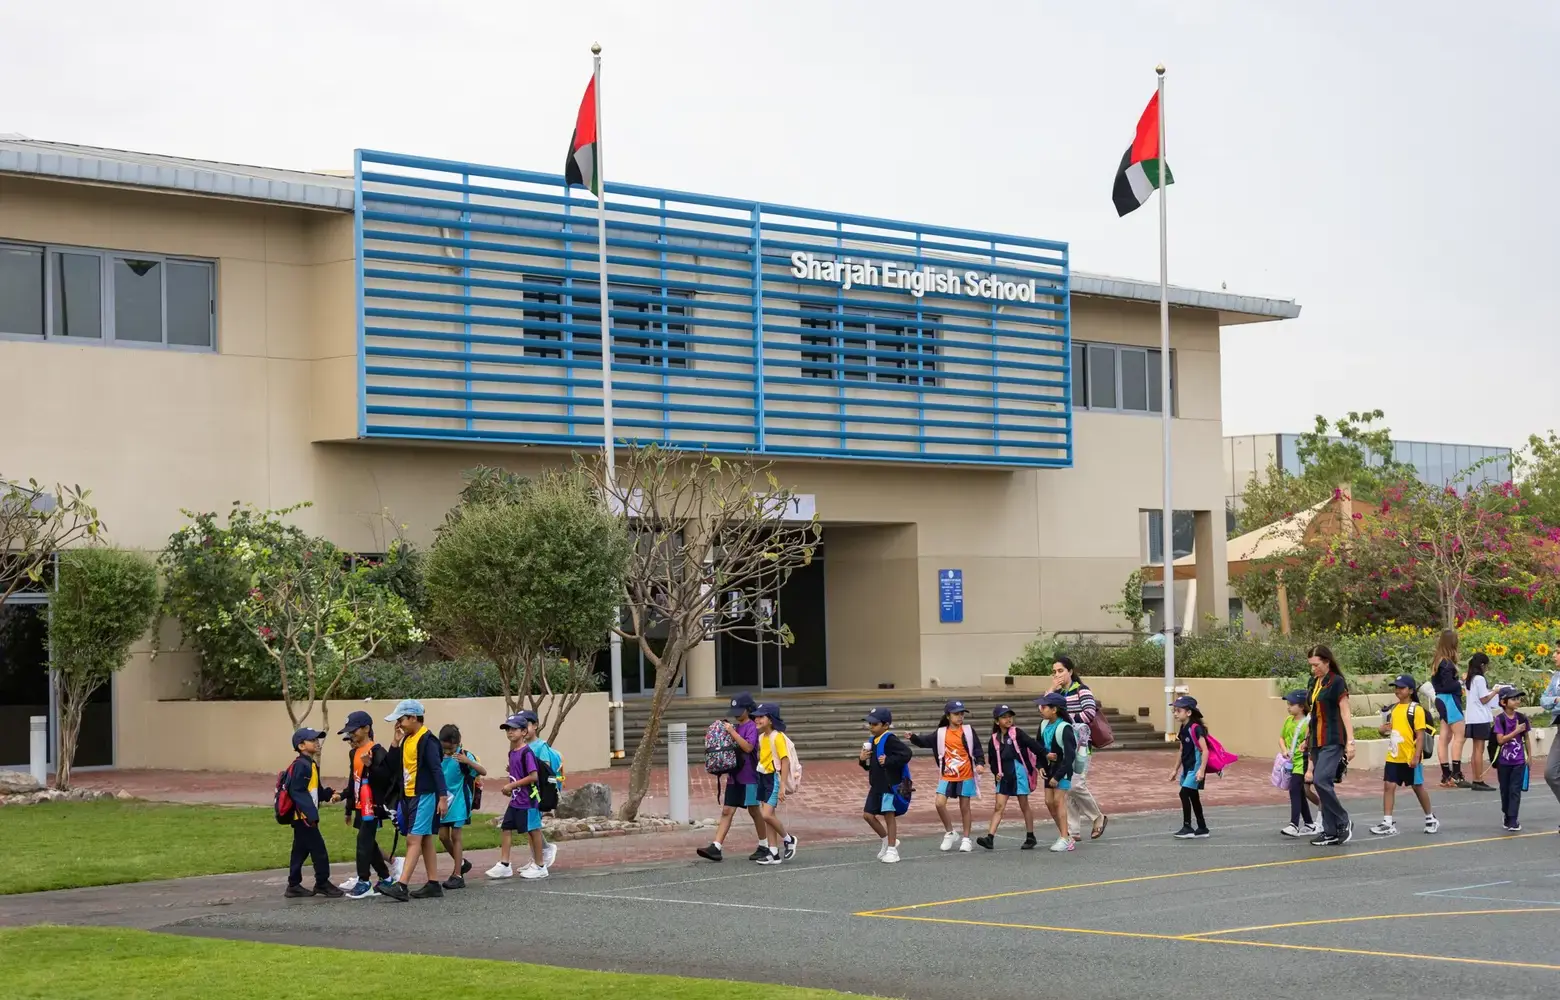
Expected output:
{"points": [[712, 546], [1537, 469], [485, 486], [35, 525], [104, 601], [316, 619], [532, 582], [1361, 457]]}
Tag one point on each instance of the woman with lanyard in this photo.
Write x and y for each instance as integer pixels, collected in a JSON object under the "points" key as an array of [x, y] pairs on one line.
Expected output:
{"points": [[1330, 745], [1082, 707]]}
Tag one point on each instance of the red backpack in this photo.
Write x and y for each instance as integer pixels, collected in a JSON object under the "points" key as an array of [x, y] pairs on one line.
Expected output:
{"points": [[283, 800]]}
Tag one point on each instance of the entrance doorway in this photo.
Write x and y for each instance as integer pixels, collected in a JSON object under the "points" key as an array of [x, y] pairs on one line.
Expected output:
{"points": [[26, 691], [748, 662]]}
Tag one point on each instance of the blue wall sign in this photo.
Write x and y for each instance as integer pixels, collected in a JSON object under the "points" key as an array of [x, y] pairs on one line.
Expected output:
{"points": [[950, 596]]}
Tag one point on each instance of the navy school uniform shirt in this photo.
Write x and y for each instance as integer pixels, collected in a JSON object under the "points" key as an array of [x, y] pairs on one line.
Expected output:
{"points": [[1004, 755], [1188, 734], [303, 784], [884, 778]]}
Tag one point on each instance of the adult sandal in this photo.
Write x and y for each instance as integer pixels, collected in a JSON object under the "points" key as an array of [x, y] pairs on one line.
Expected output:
{"points": [[1099, 829]]}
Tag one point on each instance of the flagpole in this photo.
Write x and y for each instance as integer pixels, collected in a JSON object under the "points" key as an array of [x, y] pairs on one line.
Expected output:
{"points": [[1167, 525], [607, 450]]}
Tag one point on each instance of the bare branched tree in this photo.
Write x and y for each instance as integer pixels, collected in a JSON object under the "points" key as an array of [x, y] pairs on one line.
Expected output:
{"points": [[35, 524], [714, 541]]}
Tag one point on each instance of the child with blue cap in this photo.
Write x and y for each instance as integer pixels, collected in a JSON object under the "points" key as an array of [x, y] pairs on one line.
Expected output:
{"points": [[424, 798]]}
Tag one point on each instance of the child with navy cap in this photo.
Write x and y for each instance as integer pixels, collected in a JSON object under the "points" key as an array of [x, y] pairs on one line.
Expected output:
{"points": [[742, 785], [960, 760], [1060, 742], [1191, 770], [302, 781], [886, 760], [1015, 757], [1291, 754], [776, 767], [1405, 725], [1514, 749], [523, 816], [369, 782]]}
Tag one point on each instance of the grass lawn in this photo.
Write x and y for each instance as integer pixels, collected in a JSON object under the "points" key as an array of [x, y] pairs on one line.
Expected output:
{"points": [[64, 845], [81, 963]]}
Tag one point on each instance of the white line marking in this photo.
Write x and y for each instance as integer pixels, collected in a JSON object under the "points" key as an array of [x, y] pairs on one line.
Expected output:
{"points": [[763, 872], [1460, 888], [687, 902], [1502, 899]]}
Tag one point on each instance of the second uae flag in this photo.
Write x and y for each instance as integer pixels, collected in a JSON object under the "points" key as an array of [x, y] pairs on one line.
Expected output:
{"points": [[583, 167], [1139, 173]]}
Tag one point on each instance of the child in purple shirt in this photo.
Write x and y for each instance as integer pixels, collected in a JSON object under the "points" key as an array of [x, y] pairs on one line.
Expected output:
{"points": [[742, 786], [523, 814], [1513, 752]]}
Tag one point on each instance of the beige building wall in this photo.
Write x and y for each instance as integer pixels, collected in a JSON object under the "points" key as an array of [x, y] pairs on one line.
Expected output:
{"points": [[270, 416]]}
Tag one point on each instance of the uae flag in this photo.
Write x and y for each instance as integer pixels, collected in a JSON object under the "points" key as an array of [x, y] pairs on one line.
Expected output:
{"points": [[583, 167], [1138, 175]]}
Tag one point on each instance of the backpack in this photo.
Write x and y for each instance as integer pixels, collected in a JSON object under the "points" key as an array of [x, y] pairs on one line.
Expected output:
{"points": [[283, 802], [795, 781], [903, 791], [1413, 709], [549, 775], [473, 783], [721, 753], [1025, 757], [1218, 757]]}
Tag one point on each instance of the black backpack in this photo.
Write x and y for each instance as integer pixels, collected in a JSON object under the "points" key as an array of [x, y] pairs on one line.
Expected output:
{"points": [[546, 787], [473, 788]]}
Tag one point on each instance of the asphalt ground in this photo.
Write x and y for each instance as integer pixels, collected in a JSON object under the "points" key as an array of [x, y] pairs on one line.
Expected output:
{"points": [[1469, 911]]}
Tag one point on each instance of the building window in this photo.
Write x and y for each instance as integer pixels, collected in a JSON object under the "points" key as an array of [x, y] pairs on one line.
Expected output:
{"points": [[658, 329], [1185, 535], [77, 295], [1115, 377], [871, 350]]}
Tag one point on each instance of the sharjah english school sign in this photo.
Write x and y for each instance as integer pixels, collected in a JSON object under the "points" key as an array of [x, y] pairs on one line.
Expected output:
{"points": [[850, 274]]}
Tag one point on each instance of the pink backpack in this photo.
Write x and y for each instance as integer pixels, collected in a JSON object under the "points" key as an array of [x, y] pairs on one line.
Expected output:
{"points": [[1218, 757], [1025, 757]]}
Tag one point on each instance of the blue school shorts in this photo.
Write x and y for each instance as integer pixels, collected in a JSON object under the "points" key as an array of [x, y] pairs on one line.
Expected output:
{"points": [[520, 820], [421, 815], [740, 796], [879, 805], [957, 789], [1014, 783], [1447, 707], [767, 791]]}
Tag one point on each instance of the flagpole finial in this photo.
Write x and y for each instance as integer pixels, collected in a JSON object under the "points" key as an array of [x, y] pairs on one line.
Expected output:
{"points": [[1160, 69], [595, 50]]}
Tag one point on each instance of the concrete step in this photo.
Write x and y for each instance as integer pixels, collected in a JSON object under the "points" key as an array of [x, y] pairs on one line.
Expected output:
{"points": [[828, 725]]}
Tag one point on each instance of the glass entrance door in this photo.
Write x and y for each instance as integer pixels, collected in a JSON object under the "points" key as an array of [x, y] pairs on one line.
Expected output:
{"points": [[749, 661], [24, 677]]}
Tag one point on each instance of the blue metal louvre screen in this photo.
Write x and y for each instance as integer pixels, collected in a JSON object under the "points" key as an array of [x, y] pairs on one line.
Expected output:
{"points": [[736, 326]]}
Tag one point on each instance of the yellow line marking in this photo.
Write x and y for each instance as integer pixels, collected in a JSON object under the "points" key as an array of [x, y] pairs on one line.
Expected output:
{"points": [[1193, 939], [1201, 871], [1355, 920]]}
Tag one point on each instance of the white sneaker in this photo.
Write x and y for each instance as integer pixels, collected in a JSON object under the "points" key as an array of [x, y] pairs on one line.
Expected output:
{"points": [[949, 839], [966, 846], [890, 856], [1295, 831], [1062, 844], [395, 869], [1385, 829], [348, 885], [501, 870], [1432, 824], [533, 872], [549, 855], [882, 847]]}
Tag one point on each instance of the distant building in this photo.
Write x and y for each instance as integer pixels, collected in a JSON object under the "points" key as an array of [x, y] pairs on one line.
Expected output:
{"points": [[1437, 464]]}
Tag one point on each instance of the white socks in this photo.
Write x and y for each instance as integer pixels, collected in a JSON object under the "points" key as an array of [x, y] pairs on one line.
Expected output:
{"points": [[716, 844]]}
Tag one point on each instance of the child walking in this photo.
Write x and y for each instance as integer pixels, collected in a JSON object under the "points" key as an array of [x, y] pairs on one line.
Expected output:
{"points": [[741, 786], [1060, 742], [959, 759], [1014, 756], [522, 816], [774, 773], [365, 811], [1405, 727], [1191, 771], [303, 784], [886, 760], [1291, 743], [1512, 730], [461, 774]]}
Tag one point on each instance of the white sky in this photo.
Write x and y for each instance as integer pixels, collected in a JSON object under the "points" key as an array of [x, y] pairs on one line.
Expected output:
{"points": [[1389, 165]]}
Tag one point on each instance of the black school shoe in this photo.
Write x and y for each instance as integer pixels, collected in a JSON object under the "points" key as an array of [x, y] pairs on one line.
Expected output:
{"points": [[1029, 842], [759, 855], [297, 892], [988, 841], [1480, 786], [328, 890], [431, 890], [455, 882], [465, 866], [395, 890], [710, 853]]}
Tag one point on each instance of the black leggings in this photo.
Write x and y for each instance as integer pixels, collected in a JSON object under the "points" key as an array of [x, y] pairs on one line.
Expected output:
{"points": [[368, 853], [1191, 802], [1299, 806]]}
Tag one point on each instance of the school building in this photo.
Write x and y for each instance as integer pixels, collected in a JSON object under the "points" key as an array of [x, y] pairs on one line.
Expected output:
{"points": [[975, 423]]}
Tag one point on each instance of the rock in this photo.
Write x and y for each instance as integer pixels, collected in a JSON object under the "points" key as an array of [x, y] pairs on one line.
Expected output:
{"points": [[17, 783], [594, 799], [123, 795]]}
